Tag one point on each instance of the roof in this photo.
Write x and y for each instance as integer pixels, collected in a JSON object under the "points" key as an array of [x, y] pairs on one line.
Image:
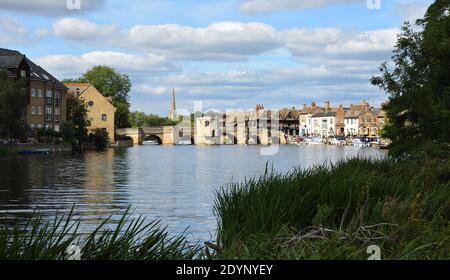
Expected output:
{"points": [[39, 73], [79, 88], [324, 115], [357, 110], [10, 59]]}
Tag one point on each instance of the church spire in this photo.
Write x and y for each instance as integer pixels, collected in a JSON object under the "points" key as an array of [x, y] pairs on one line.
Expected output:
{"points": [[173, 107]]}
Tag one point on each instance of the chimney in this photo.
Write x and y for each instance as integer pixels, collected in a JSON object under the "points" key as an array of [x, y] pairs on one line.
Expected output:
{"points": [[327, 106], [314, 104]]}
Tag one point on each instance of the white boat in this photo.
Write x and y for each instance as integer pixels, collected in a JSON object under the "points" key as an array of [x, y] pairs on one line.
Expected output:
{"points": [[150, 142], [314, 141], [360, 144], [335, 142]]}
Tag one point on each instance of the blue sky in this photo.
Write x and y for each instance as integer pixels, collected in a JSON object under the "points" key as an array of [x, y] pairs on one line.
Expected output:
{"points": [[228, 54]]}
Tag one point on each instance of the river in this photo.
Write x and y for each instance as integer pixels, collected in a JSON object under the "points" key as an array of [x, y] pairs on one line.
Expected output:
{"points": [[174, 184]]}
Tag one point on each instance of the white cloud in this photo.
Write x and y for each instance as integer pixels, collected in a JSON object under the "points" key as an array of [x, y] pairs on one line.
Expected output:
{"points": [[325, 44], [11, 31], [224, 41], [268, 6], [72, 66], [412, 11], [48, 7], [83, 30], [221, 41], [42, 32], [232, 41], [145, 88]]}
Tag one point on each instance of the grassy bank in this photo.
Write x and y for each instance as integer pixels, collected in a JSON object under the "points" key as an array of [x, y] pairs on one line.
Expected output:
{"points": [[320, 213], [131, 239], [337, 212]]}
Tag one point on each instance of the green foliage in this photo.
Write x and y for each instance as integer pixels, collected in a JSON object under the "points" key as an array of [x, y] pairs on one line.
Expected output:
{"points": [[100, 139], [131, 239], [48, 135], [418, 86], [68, 132], [110, 83], [13, 103], [336, 212], [3, 152], [78, 121], [140, 119]]}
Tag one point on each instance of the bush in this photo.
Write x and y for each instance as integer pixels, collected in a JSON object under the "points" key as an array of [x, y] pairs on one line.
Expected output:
{"points": [[68, 132], [48, 136], [99, 138], [336, 212]]}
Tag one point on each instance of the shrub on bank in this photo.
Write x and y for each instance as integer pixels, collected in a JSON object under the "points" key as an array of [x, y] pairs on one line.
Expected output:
{"points": [[337, 212]]}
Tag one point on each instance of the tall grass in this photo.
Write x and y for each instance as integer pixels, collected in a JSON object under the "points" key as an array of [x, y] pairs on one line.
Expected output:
{"points": [[131, 239], [335, 212]]}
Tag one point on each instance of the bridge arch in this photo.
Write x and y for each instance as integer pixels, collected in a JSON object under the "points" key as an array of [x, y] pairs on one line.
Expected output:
{"points": [[277, 138], [152, 137], [229, 139]]}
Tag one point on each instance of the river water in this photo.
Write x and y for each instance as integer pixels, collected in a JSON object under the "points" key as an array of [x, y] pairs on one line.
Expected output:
{"points": [[174, 184]]}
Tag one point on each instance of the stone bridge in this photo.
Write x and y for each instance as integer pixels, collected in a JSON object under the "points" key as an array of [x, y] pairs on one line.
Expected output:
{"points": [[174, 135], [165, 135]]}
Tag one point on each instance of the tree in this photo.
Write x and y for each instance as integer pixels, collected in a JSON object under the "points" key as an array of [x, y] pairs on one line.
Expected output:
{"points": [[419, 86], [100, 139], [78, 118], [68, 132], [140, 119], [110, 83], [13, 104]]}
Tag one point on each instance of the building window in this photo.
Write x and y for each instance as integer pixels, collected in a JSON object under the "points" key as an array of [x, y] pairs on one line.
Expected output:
{"points": [[33, 126], [33, 92], [331, 121], [39, 126], [57, 99], [33, 110], [206, 123], [57, 128], [104, 117], [48, 114], [57, 114], [23, 73], [48, 98], [39, 110]]}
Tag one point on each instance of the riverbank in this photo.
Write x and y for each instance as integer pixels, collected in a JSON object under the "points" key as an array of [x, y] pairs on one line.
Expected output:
{"points": [[319, 213], [14, 149], [336, 213]]}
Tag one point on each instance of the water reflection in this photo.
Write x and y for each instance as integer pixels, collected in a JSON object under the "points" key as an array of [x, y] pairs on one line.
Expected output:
{"points": [[175, 184]]}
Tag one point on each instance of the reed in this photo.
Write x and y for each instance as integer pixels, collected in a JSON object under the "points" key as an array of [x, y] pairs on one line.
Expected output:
{"points": [[336, 211], [131, 239]]}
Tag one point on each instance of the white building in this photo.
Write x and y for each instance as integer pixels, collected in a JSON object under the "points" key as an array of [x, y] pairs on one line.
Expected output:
{"points": [[324, 124], [305, 118], [351, 126]]}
